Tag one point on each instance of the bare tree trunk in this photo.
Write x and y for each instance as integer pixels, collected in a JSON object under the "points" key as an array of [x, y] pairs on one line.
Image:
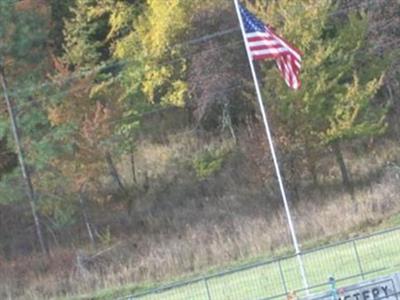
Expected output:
{"points": [[249, 127], [82, 202], [114, 172], [343, 169], [24, 170], [293, 182], [311, 162], [133, 165], [227, 121]]}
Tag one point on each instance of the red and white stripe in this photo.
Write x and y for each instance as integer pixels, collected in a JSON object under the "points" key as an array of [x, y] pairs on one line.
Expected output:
{"points": [[268, 45]]}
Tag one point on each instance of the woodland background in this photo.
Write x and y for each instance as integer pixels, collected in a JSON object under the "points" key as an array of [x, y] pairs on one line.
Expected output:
{"points": [[146, 150]]}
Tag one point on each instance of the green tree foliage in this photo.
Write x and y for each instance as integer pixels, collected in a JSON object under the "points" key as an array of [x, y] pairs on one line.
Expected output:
{"points": [[7, 158], [340, 76], [210, 162], [91, 105], [60, 10], [156, 69], [23, 36], [93, 28], [93, 34]]}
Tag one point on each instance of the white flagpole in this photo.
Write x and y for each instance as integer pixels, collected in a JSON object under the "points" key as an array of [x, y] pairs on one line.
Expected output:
{"points": [[272, 148]]}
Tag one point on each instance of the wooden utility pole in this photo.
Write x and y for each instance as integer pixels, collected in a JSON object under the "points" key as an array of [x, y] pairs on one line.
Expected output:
{"points": [[25, 173]]}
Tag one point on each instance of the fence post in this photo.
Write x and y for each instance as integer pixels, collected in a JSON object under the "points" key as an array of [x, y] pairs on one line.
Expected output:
{"points": [[358, 260], [282, 277], [334, 294], [207, 288]]}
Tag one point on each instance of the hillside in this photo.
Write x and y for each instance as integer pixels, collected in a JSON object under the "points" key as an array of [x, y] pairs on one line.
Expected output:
{"points": [[146, 149]]}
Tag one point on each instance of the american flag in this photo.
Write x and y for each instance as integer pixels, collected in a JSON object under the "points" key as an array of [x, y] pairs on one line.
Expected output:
{"points": [[264, 43]]}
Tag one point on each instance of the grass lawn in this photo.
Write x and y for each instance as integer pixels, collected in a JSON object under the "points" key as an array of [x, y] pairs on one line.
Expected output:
{"points": [[373, 256]]}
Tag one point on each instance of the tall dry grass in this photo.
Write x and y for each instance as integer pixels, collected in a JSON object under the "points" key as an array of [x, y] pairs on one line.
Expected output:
{"points": [[191, 226]]}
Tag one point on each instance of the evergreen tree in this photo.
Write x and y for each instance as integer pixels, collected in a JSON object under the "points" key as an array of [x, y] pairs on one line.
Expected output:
{"points": [[60, 10], [23, 34], [93, 28]]}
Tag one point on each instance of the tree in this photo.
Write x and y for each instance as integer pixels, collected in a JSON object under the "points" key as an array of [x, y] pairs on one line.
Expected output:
{"points": [[21, 46], [216, 69], [93, 28], [340, 79], [91, 105], [60, 10], [155, 67]]}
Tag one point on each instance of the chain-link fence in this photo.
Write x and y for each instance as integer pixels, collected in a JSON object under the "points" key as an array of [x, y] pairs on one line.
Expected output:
{"points": [[348, 262]]}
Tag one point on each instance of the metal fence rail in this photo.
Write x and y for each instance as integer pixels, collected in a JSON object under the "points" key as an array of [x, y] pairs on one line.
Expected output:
{"points": [[349, 262]]}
